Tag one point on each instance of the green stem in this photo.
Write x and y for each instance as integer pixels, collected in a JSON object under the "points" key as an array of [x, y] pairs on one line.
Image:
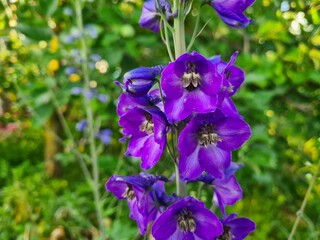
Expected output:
{"points": [[178, 26], [181, 186], [304, 203], [90, 121], [195, 30], [179, 48]]}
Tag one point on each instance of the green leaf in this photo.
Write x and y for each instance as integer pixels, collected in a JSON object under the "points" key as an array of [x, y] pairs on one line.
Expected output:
{"points": [[48, 7], [35, 32]]}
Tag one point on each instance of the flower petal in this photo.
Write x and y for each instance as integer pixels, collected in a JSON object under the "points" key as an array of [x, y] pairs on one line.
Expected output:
{"points": [[208, 226], [233, 133], [214, 160], [167, 219], [189, 167]]}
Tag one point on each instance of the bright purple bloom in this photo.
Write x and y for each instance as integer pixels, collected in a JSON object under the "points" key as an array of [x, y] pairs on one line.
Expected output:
{"points": [[139, 81], [227, 191], [150, 16], [231, 11], [236, 228], [187, 219], [233, 76], [228, 108], [81, 126], [140, 192], [105, 136], [190, 84], [146, 129], [205, 144], [126, 102]]}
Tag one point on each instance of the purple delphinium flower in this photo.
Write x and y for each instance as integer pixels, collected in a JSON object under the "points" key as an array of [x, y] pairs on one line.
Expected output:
{"points": [[188, 218], [146, 129], [126, 102], [105, 136], [228, 108], [144, 193], [139, 81], [190, 84], [227, 191], [233, 76], [81, 126], [231, 11], [150, 16], [236, 228], [205, 144]]}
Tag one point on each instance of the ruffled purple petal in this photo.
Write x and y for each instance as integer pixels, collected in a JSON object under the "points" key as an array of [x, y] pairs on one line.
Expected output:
{"points": [[117, 186], [208, 226], [151, 152], [150, 19], [233, 133], [227, 192], [175, 110], [214, 160], [126, 102], [134, 146], [241, 227], [231, 11], [189, 167], [197, 101], [165, 225]]}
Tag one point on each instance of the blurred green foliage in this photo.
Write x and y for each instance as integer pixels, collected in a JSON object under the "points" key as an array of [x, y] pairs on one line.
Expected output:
{"points": [[280, 99]]}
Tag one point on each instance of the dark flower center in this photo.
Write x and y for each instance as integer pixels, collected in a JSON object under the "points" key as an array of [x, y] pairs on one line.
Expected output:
{"points": [[226, 235], [207, 135], [147, 126], [186, 221], [191, 79], [129, 194]]}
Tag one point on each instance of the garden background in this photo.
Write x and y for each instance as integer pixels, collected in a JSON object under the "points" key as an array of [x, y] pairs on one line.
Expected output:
{"points": [[58, 63]]}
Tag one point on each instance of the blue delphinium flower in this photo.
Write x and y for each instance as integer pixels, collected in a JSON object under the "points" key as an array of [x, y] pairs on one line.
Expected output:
{"points": [[190, 84], [233, 76], [236, 228], [227, 191], [188, 218], [139, 81], [150, 16], [145, 195], [231, 11], [152, 99], [146, 130], [205, 144]]}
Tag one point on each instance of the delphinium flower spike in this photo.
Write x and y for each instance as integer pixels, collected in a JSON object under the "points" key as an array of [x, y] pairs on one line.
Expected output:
{"points": [[190, 112]]}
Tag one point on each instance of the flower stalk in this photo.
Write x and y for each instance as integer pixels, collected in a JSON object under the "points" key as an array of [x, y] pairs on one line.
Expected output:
{"points": [[90, 121]]}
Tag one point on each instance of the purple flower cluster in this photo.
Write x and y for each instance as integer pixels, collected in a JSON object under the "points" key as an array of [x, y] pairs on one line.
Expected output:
{"points": [[194, 93], [229, 11], [187, 101]]}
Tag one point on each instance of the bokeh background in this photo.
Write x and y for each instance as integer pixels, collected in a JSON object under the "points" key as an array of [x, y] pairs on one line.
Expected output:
{"points": [[43, 193]]}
